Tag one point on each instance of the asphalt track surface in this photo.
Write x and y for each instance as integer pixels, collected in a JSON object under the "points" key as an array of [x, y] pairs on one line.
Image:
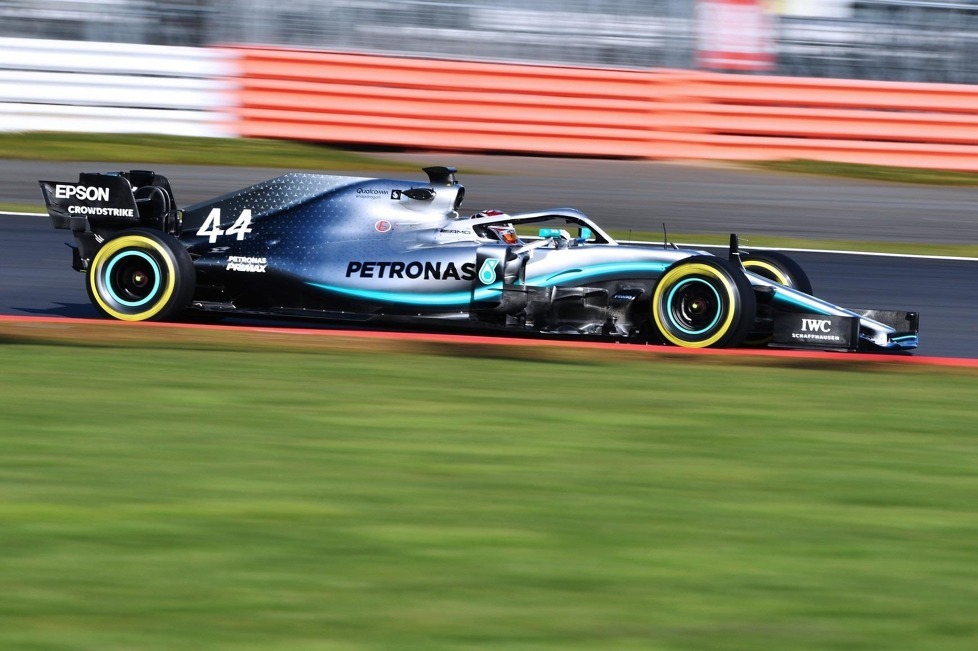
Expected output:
{"points": [[638, 195], [36, 277]]}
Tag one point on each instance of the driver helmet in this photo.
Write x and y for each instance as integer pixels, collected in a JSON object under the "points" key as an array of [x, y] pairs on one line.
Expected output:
{"points": [[504, 231]]}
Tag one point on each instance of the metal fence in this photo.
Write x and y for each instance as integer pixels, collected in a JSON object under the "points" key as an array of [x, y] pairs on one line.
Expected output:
{"points": [[911, 40], [897, 40]]}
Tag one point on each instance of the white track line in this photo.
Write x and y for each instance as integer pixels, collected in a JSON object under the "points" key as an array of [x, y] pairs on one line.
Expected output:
{"points": [[837, 252]]}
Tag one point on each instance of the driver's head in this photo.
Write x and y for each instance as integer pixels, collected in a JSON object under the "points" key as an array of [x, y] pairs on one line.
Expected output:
{"points": [[492, 212], [506, 233]]}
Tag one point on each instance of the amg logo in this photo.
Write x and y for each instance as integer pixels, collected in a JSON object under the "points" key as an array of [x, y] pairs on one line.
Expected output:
{"points": [[83, 192], [816, 325]]}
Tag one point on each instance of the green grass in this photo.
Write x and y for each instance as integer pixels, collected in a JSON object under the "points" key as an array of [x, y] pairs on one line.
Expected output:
{"points": [[872, 172], [23, 207], [178, 150], [768, 241], [228, 493], [257, 152]]}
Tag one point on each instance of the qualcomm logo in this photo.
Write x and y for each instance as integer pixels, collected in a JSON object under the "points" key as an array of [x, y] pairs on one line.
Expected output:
{"points": [[816, 325]]}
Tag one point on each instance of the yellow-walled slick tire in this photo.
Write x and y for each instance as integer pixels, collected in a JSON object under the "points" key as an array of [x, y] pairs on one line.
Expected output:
{"points": [[702, 302], [141, 275], [778, 267]]}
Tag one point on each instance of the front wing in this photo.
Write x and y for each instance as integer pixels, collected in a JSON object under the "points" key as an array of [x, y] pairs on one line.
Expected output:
{"points": [[862, 330]]}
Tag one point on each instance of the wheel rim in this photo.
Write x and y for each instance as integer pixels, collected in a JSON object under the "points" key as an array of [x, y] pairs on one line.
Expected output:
{"points": [[694, 306], [132, 278]]}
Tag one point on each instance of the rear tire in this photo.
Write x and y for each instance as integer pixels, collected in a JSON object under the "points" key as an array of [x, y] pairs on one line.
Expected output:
{"points": [[141, 275], [702, 302]]}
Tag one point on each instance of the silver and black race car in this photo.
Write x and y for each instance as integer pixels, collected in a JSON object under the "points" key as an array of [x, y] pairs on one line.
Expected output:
{"points": [[397, 251]]}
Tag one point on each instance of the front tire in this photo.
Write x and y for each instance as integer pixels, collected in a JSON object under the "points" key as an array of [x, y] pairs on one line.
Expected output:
{"points": [[141, 275], [777, 267], [702, 302]]}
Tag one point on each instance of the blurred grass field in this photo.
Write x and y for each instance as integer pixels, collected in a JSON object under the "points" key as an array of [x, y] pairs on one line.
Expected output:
{"points": [[184, 150], [227, 491], [219, 491], [266, 152], [886, 173]]}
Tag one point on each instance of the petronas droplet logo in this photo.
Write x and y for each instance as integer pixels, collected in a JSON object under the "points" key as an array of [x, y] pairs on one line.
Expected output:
{"points": [[487, 274]]}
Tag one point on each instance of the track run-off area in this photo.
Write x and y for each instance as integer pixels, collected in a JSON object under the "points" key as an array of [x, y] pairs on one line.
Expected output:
{"points": [[76, 329]]}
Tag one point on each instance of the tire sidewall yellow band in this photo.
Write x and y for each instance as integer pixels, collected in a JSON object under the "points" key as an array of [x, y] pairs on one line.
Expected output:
{"points": [[669, 279], [776, 274], [139, 243]]}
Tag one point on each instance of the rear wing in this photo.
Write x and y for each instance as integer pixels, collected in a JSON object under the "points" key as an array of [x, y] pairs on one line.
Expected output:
{"points": [[112, 201]]}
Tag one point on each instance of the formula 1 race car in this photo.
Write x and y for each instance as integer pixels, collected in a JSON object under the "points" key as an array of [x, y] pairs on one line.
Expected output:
{"points": [[399, 252]]}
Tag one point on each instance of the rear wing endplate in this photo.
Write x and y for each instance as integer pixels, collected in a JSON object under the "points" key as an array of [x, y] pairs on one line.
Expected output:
{"points": [[105, 199]]}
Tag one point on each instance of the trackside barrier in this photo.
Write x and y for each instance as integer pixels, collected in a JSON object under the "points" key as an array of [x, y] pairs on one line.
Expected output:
{"points": [[757, 117], [113, 88], [424, 103], [656, 114]]}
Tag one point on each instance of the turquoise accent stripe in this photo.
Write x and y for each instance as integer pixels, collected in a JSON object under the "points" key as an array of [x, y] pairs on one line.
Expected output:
{"points": [[799, 302], [672, 296], [573, 276], [156, 279], [411, 298]]}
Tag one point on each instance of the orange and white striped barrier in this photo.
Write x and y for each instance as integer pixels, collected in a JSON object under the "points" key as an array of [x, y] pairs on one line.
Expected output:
{"points": [[658, 114]]}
